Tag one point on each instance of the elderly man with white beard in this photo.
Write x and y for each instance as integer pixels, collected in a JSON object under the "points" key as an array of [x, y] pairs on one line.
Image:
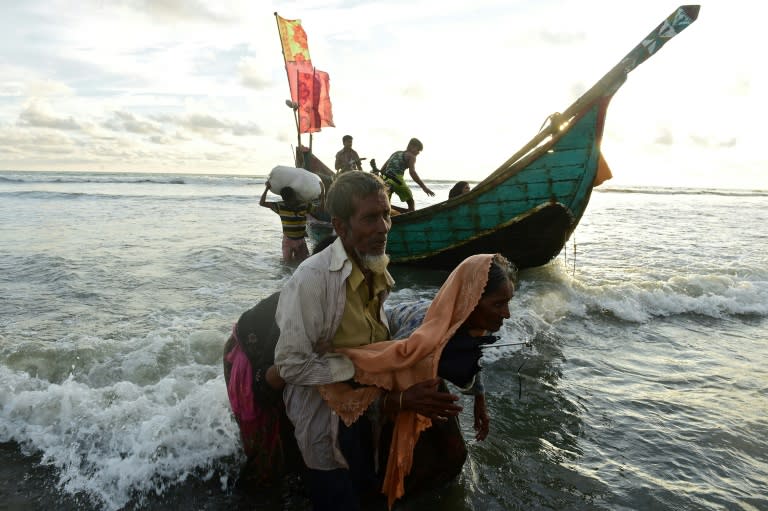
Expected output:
{"points": [[335, 300]]}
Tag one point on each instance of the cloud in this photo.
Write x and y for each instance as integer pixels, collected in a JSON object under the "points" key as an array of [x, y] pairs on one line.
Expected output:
{"points": [[46, 88], [208, 125], [38, 115], [664, 138], [705, 141], [217, 156], [413, 91], [160, 139], [11, 89], [252, 74], [181, 10], [24, 139], [126, 121], [741, 86]]}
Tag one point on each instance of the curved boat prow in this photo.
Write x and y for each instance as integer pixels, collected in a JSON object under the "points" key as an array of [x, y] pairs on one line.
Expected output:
{"points": [[528, 208]]}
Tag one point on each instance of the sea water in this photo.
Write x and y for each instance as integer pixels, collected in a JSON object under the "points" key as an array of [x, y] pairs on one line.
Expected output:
{"points": [[641, 383]]}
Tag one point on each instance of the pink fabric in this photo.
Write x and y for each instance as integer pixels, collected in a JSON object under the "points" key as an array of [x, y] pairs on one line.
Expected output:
{"points": [[259, 424], [240, 386]]}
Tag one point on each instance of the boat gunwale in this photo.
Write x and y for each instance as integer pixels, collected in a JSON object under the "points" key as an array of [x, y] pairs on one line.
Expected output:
{"points": [[503, 173]]}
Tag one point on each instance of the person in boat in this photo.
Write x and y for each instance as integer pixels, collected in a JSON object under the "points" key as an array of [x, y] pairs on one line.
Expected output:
{"points": [[393, 173], [347, 159], [334, 300], [293, 217], [458, 189]]}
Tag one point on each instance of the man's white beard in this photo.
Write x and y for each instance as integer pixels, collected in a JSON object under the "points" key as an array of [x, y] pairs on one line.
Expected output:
{"points": [[375, 263]]}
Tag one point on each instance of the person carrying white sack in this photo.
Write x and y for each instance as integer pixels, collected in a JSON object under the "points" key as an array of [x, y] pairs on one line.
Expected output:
{"points": [[293, 209]]}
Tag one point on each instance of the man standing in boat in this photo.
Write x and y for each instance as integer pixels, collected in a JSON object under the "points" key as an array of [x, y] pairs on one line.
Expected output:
{"points": [[347, 159], [393, 172], [335, 300]]}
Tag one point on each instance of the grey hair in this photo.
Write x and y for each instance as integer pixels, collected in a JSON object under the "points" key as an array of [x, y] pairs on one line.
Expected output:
{"points": [[340, 200], [501, 271]]}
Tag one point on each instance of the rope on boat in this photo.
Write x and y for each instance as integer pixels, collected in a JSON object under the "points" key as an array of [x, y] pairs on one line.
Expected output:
{"points": [[565, 256], [574, 255]]}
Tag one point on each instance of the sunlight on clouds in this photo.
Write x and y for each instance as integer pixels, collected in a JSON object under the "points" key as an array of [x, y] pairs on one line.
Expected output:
{"points": [[38, 114], [200, 85], [43, 88]]}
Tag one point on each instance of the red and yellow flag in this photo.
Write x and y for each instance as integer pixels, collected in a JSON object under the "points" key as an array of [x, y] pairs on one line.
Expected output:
{"points": [[313, 90], [309, 87], [293, 39]]}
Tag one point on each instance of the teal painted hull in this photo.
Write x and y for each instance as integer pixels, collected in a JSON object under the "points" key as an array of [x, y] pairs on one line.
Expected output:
{"points": [[525, 211], [529, 207]]}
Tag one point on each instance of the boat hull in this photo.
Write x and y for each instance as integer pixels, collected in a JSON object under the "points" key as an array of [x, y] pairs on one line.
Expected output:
{"points": [[526, 211]]}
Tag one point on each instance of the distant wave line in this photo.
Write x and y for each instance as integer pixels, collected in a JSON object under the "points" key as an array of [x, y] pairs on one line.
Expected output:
{"points": [[75, 195], [684, 191]]}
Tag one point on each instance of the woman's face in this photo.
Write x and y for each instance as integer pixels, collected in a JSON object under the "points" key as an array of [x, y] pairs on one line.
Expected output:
{"points": [[492, 309]]}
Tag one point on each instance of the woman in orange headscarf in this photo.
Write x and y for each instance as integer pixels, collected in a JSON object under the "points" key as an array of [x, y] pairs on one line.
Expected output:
{"points": [[467, 307]]}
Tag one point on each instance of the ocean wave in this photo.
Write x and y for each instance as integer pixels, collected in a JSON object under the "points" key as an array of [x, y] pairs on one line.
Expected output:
{"points": [[714, 296], [129, 178], [53, 177], [46, 195], [647, 190], [121, 440], [4, 179]]}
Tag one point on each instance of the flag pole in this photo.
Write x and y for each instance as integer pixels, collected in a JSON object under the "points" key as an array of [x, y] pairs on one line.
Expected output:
{"points": [[288, 76]]}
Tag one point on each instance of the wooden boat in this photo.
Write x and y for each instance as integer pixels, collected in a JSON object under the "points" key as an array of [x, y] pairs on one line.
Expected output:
{"points": [[528, 208]]}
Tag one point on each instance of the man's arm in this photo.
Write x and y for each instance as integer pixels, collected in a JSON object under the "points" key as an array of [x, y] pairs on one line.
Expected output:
{"points": [[412, 170], [358, 161], [338, 165], [300, 316], [321, 199], [263, 201]]}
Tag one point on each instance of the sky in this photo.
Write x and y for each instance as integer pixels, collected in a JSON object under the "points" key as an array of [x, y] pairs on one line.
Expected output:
{"points": [[199, 86]]}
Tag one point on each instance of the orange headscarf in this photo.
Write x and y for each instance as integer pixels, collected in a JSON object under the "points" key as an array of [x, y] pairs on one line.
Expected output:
{"points": [[397, 365]]}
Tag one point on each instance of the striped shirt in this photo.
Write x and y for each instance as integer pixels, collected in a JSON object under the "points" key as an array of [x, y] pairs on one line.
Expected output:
{"points": [[293, 218]]}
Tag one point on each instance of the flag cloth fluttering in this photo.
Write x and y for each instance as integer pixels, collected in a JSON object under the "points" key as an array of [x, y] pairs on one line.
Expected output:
{"points": [[309, 87]]}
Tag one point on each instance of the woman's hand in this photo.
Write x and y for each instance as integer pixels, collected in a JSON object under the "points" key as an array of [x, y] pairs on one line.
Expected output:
{"points": [[425, 399], [482, 420], [323, 347], [273, 378]]}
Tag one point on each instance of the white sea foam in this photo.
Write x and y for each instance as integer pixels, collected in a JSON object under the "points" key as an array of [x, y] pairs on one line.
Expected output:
{"points": [[121, 440]]}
